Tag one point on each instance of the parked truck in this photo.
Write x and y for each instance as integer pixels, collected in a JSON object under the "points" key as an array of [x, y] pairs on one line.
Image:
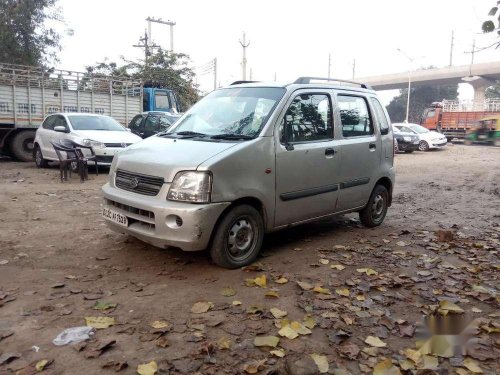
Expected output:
{"points": [[28, 94], [454, 118]]}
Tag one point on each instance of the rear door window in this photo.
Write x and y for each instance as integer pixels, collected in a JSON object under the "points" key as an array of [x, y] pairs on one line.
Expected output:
{"points": [[354, 116], [382, 121]]}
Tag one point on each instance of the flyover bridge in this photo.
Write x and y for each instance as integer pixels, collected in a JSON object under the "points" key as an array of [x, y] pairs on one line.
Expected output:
{"points": [[480, 76]]}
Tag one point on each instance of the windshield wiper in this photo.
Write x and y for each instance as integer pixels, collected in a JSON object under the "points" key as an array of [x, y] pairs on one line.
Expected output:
{"points": [[231, 136], [183, 134]]}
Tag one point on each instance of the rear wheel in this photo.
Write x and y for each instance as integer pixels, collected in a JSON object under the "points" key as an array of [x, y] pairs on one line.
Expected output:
{"points": [[39, 160], [423, 146], [22, 145], [409, 151], [238, 237], [374, 212]]}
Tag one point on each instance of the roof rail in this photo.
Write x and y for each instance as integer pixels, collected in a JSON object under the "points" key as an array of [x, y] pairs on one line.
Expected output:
{"points": [[239, 82], [303, 80]]}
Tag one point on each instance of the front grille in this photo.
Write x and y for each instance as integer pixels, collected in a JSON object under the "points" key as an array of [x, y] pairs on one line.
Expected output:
{"points": [[133, 210], [119, 145], [138, 183], [104, 158], [144, 218]]}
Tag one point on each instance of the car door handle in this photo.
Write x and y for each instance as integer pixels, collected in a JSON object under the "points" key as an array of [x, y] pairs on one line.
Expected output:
{"points": [[329, 151], [372, 146]]}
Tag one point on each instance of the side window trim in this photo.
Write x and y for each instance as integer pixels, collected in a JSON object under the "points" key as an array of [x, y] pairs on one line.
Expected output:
{"points": [[331, 119], [368, 109]]}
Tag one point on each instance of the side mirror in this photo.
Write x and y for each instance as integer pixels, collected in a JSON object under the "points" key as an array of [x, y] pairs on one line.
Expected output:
{"points": [[384, 131], [60, 129]]}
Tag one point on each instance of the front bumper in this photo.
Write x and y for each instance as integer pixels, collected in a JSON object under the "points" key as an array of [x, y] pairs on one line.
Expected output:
{"points": [[153, 219], [407, 146], [437, 144]]}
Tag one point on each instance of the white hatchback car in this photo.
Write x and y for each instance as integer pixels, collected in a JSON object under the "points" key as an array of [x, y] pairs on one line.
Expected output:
{"points": [[428, 139], [104, 134]]}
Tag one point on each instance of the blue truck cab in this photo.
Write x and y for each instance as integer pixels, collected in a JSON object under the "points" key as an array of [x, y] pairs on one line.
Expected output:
{"points": [[163, 100]]}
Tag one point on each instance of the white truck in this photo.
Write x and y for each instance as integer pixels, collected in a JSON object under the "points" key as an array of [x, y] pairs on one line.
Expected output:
{"points": [[28, 94]]}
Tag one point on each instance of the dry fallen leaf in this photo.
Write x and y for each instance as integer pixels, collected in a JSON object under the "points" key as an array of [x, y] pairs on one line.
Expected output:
{"points": [[324, 261], [201, 307], [446, 307], [236, 303], [300, 328], [100, 322], [254, 366], [367, 271], [305, 285], [338, 267], [288, 332], [321, 290], [278, 353], [150, 368], [228, 292], [224, 343], [472, 366], [40, 365], [281, 280], [260, 281], [272, 294], [343, 292], [309, 321], [375, 341], [160, 324], [271, 341], [430, 362], [277, 313], [386, 368], [322, 363], [103, 305]]}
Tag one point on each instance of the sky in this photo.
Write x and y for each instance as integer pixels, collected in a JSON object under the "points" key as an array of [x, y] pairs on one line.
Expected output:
{"points": [[288, 38]]}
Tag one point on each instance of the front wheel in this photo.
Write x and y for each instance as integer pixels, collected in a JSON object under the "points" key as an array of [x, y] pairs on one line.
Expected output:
{"points": [[22, 145], [423, 146], [374, 212], [39, 160], [238, 237], [409, 151]]}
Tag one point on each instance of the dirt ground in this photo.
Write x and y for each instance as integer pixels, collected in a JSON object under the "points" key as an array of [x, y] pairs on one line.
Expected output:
{"points": [[362, 298]]}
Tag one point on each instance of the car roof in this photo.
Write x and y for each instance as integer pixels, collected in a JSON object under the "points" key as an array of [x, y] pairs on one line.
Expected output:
{"points": [[159, 113], [78, 113], [305, 82]]}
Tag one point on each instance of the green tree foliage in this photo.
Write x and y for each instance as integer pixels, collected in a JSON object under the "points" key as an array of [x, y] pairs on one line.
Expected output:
{"points": [[493, 91], [493, 24], [421, 97], [163, 70], [24, 36]]}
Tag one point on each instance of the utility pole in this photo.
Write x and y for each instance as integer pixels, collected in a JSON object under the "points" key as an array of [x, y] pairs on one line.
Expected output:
{"points": [[169, 23], [353, 68], [250, 74], [274, 76], [244, 44], [147, 45], [451, 47], [329, 64]]}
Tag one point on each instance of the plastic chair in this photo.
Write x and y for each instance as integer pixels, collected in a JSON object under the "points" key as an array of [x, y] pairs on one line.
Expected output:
{"points": [[65, 159], [82, 158]]}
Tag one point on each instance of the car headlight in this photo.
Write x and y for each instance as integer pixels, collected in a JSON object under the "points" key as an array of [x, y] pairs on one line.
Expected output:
{"points": [[190, 186], [407, 139], [92, 143]]}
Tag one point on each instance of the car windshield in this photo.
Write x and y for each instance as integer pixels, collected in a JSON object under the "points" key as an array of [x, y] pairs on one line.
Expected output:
{"points": [[82, 122], [405, 129], [232, 111], [419, 129]]}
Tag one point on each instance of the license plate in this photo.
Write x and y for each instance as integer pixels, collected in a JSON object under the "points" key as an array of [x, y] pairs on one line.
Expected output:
{"points": [[115, 217]]}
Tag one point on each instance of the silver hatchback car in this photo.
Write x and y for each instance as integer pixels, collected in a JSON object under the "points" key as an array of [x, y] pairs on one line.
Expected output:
{"points": [[255, 158]]}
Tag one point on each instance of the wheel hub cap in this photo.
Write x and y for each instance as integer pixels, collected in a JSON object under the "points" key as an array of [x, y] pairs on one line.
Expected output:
{"points": [[240, 237], [378, 206]]}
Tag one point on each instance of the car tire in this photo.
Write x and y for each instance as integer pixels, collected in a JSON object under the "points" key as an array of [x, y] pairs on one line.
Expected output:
{"points": [[396, 147], [238, 237], [22, 145], [39, 160], [374, 212], [449, 139], [409, 151], [423, 146]]}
